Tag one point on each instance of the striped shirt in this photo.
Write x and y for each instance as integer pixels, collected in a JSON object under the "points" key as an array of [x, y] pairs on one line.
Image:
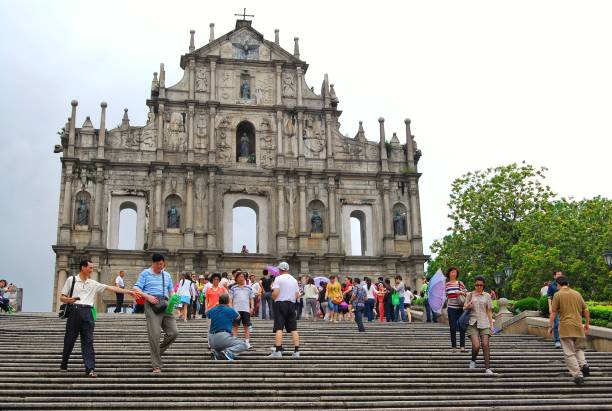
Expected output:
{"points": [[452, 293]]}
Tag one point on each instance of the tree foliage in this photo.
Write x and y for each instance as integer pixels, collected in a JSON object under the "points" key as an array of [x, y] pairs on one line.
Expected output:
{"points": [[507, 215]]}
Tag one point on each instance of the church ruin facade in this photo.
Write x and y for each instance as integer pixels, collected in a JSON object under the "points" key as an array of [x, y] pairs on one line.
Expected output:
{"points": [[240, 129]]}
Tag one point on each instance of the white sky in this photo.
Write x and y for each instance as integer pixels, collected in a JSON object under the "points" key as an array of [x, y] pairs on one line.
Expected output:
{"points": [[485, 83]]}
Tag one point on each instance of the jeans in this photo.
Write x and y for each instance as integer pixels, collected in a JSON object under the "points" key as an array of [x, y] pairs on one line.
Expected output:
{"points": [[556, 329], [388, 310], [369, 308], [399, 309], [311, 307], [431, 316], [359, 317], [453, 316], [267, 300], [224, 341]]}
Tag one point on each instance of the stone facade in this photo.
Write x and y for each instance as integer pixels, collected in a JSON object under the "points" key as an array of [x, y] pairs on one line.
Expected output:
{"points": [[242, 128]]}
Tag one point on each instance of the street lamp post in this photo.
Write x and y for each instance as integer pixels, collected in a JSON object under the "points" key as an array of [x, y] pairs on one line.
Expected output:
{"points": [[608, 257]]}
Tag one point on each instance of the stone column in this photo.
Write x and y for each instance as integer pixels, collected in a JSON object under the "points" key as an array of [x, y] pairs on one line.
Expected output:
{"points": [[299, 85], [279, 90], [96, 234], [72, 130], [333, 239], [213, 83], [190, 133], [387, 233], [415, 217], [212, 148], [159, 210], [409, 147], [160, 132], [212, 225], [300, 139], [191, 68], [66, 227], [102, 132], [291, 195], [303, 245], [280, 157], [330, 141], [188, 237], [384, 165], [281, 235]]}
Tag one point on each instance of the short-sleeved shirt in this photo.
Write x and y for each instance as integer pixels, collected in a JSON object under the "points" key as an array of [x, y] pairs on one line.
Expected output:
{"points": [[310, 291], [241, 297], [360, 296], [478, 315], [221, 318], [370, 292], [552, 289], [288, 287], [119, 282], [212, 296], [424, 293], [570, 306], [256, 288], [185, 288], [452, 293], [85, 290], [151, 283], [401, 289], [334, 291]]}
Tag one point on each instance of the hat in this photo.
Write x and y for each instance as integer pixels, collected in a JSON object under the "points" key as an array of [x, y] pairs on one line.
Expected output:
{"points": [[283, 266], [200, 277]]}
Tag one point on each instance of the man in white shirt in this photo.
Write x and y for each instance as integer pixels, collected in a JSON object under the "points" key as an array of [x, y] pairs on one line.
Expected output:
{"points": [[119, 283], [80, 291], [285, 292]]}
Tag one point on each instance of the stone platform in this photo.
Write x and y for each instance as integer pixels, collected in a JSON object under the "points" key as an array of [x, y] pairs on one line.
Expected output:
{"points": [[391, 366]]}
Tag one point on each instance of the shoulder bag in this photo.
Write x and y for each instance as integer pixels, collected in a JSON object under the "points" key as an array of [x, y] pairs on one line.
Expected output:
{"points": [[464, 320], [65, 309], [162, 303]]}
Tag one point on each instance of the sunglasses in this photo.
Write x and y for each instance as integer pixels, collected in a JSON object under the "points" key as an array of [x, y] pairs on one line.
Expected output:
{"points": [[478, 285]]}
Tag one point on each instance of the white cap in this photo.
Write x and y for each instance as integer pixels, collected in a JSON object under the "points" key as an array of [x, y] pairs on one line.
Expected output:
{"points": [[283, 266]]}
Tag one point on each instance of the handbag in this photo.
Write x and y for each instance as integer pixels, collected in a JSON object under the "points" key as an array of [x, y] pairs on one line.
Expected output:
{"points": [[461, 297], [65, 309], [395, 298], [464, 320], [161, 304]]}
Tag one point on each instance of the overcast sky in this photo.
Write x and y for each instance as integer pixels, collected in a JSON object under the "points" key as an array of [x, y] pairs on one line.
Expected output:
{"points": [[485, 83]]}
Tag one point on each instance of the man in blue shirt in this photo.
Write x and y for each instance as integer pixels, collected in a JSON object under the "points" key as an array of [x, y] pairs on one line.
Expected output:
{"points": [[154, 284], [552, 289], [220, 339]]}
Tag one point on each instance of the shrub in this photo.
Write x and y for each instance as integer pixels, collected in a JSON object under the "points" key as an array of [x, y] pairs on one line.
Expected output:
{"points": [[544, 306], [495, 306], [418, 301], [601, 312], [524, 304]]}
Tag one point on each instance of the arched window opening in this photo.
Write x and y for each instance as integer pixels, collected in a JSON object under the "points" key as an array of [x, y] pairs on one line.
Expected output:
{"points": [[244, 228], [358, 238], [127, 227]]}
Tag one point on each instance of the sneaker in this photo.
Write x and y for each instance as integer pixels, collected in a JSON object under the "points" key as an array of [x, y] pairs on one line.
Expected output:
{"points": [[228, 355], [472, 364], [454, 349], [296, 354], [214, 355], [276, 354], [250, 328], [248, 345], [463, 349], [578, 380], [489, 372], [586, 371], [91, 373], [557, 344], [63, 369]]}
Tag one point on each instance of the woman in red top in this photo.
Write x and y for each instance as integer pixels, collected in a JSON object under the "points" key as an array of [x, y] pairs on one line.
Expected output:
{"points": [[380, 297], [213, 293]]}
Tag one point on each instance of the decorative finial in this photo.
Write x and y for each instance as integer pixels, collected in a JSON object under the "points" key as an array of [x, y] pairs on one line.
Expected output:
{"points": [[276, 36], [103, 104], [381, 119], [296, 47], [407, 121], [212, 32], [74, 103], [191, 41]]}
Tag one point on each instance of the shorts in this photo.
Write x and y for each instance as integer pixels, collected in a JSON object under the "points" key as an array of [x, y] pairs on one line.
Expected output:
{"points": [[333, 307], [284, 316], [245, 318], [473, 330], [186, 299]]}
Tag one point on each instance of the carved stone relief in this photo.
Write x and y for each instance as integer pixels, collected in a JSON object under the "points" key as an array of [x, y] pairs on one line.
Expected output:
{"points": [[174, 134], [263, 89], [289, 85], [267, 142], [245, 46], [201, 79], [202, 131], [224, 149], [227, 85], [313, 135]]}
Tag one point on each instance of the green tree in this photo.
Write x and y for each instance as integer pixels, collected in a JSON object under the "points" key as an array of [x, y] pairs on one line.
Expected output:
{"points": [[486, 208]]}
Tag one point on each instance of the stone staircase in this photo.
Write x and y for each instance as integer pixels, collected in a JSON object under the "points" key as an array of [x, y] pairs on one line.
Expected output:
{"points": [[391, 366]]}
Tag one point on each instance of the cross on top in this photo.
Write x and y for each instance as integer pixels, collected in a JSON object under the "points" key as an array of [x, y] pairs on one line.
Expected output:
{"points": [[244, 15]]}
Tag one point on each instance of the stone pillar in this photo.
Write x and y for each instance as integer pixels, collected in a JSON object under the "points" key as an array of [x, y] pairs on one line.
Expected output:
{"points": [[66, 227], [389, 247], [102, 132], [299, 85], [212, 33], [303, 245], [279, 90], [280, 158], [72, 130], [330, 140], [415, 217], [276, 37], [384, 165], [188, 237], [281, 236], [213, 83], [212, 148], [159, 209], [160, 132], [190, 133], [191, 68], [333, 239], [96, 234], [296, 47], [409, 147], [300, 139], [62, 275], [291, 195], [212, 225], [191, 41]]}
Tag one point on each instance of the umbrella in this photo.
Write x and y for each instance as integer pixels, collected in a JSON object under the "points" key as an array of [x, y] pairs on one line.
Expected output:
{"points": [[437, 292], [319, 280], [272, 270]]}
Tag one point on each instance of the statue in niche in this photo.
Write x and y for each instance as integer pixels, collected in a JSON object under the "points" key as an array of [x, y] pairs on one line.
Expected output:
{"points": [[399, 223], [82, 217], [245, 145], [316, 222], [245, 90], [174, 218]]}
